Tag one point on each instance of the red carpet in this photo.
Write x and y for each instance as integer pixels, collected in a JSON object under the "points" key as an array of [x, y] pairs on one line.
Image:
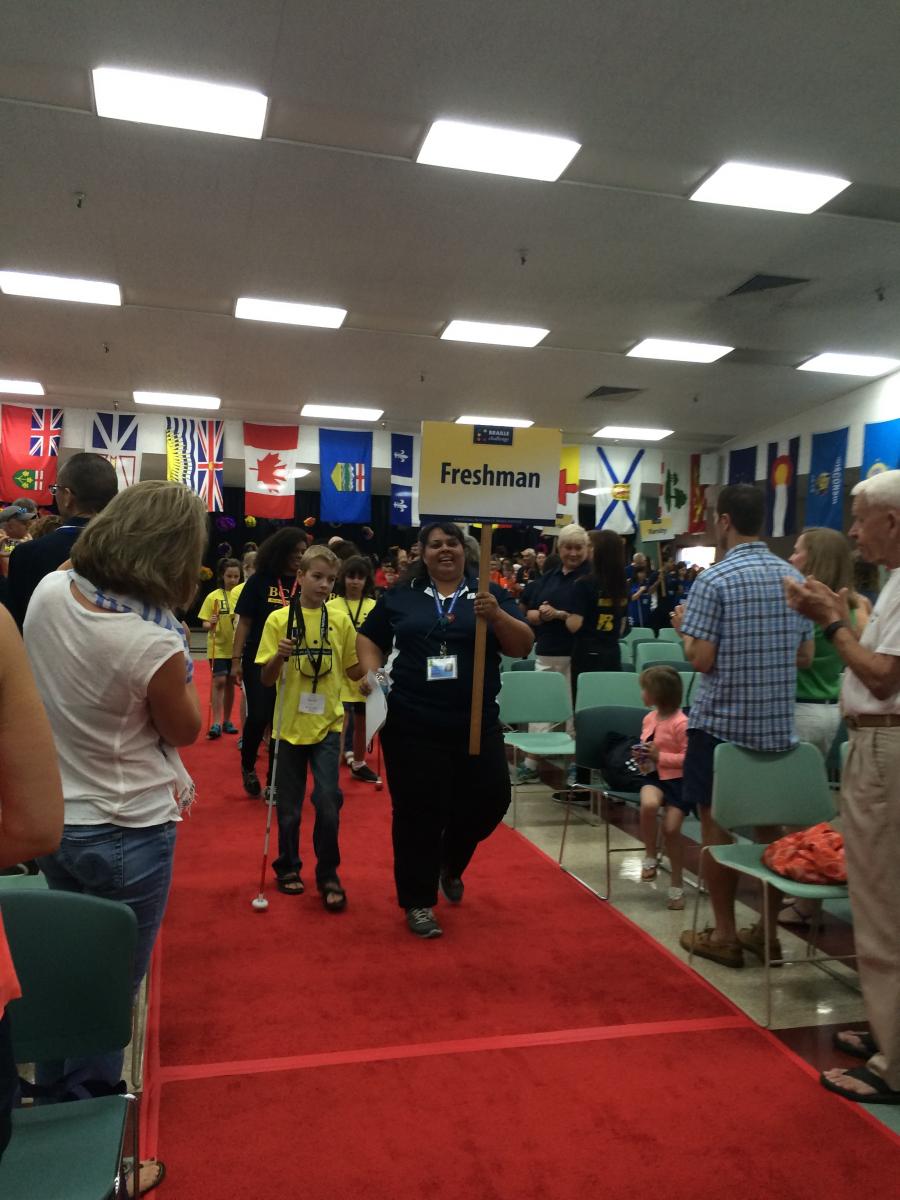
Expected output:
{"points": [[543, 1046]]}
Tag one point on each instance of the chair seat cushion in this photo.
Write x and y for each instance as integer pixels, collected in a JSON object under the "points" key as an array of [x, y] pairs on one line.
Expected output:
{"points": [[541, 744], [64, 1151]]}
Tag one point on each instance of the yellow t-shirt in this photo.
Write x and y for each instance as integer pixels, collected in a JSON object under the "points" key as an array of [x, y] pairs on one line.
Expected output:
{"points": [[234, 593], [351, 693], [339, 653], [222, 644]]}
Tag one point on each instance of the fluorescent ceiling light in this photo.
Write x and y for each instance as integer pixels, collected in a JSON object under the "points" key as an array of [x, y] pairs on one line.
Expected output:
{"points": [[496, 151], [512, 422], [339, 413], [179, 103], [299, 473], [633, 434], [284, 312], [850, 364], [700, 352], [177, 400], [21, 387], [749, 186], [494, 335], [59, 287]]}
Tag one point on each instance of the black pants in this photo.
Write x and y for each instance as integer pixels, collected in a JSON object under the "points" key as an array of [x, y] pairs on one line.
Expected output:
{"points": [[444, 803], [9, 1083], [588, 655], [260, 712]]}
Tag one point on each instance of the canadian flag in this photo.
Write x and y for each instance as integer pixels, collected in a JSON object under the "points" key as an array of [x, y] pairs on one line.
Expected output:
{"points": [[269, 454]]}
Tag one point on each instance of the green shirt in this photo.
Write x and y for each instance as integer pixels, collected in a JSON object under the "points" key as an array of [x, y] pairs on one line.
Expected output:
{"points": [[822, 681]]}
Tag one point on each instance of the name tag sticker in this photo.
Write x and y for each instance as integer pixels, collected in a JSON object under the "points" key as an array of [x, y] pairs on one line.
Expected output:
{"points": [[441, 667], [312, 703]]}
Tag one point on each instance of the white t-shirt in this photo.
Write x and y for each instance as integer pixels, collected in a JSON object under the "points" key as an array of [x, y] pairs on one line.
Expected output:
{"points": [[93, 670], [881, 634]]}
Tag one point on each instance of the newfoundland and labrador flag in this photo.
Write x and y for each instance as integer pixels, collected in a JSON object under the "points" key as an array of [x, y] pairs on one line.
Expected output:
{"points": [[345, 465], [270, 452], [115, 436], [781, 487], [194, 457], [29, 452]]}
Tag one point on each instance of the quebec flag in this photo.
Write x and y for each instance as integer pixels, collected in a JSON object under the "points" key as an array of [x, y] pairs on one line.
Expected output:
{"points": [[404, 492]]}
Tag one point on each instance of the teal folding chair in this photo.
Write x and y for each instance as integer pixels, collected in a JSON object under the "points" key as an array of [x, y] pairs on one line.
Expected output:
{"points": [[667, 652], [752, 789], [668, 634], [626, 651], [600, 689], [22, 878], [593, 727], [74, 956], [535, 697], [524, 664], [679, 664], [640, 634]]}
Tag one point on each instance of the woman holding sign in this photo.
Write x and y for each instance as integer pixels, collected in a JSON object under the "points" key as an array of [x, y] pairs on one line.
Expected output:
{"points": [[445, 801]]}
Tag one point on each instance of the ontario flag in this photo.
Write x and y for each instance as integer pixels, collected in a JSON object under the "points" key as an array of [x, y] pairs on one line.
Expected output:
{"points": [[269, 480], [345, 462], [29, 451]]}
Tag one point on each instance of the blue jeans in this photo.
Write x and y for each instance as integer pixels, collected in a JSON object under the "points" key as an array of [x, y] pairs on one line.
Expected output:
{"points": [[114, 863], [327, 799]]}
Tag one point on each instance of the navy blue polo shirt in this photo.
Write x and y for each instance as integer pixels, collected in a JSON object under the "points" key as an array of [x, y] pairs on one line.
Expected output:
{"points": [[558, 590], [406, 617]]}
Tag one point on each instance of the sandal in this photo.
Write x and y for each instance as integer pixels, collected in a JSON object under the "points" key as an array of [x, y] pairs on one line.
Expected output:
{"points": [[291, 884], [333, 896], [648, 873], [864, 1046], [159, 1176], [882, 1094]]}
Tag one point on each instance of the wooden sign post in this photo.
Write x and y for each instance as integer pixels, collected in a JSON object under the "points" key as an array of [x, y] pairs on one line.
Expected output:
{"points": [[487, 473]]}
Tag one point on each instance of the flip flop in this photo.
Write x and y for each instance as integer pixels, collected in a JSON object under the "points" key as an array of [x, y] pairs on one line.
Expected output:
{"points": [[865, 1049], [333, 888], [882, 1095], [291, 884], [148, 1162]]}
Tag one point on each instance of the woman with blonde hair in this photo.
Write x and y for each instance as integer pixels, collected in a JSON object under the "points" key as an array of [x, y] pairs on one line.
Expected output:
{"points": [[826, 555], [114, 671]]}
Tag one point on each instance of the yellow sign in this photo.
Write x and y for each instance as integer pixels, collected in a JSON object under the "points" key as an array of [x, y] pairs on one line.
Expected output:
{"points": [[478, 472], [657, 531]]}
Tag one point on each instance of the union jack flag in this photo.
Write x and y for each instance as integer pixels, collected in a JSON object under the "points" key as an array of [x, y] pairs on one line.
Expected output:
{"points": [[46, 428], [210, 464]]}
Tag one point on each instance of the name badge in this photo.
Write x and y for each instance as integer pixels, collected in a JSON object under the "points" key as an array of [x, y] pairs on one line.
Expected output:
{"points": [[441, 667], [312, 703]]}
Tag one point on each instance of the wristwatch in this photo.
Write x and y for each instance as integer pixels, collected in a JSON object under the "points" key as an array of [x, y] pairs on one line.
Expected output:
{"points": [[830, 630]]}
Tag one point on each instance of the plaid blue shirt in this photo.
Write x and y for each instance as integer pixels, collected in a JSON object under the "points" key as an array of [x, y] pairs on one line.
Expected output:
{"points": [[739, 604]]}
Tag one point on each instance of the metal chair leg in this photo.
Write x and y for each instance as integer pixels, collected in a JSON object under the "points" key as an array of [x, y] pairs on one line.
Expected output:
{"points": [[767, 953], [696, 904], [604, 814], [562, 844], [515, 787]]}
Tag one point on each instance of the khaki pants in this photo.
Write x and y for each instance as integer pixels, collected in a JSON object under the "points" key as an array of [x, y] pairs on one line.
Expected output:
{"points": [[871, 826]]}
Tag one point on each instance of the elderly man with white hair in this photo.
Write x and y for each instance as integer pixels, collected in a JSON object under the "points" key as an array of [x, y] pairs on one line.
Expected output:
{"points": [[870, 700]]}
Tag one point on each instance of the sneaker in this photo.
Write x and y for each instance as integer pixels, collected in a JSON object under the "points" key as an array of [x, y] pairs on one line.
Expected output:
{"points": [[251, 783], [215, 731], [348, 758], [451, 888], [676, 899], [229, 728], [527, 775], [726, 954], [752, 938], [422, 923], [365, 774], [573, 796]]}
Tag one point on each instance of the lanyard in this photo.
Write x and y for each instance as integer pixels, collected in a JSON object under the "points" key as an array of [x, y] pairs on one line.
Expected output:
{"points": [[315, 660], [355, 619], [445, 615], [286, 602]]}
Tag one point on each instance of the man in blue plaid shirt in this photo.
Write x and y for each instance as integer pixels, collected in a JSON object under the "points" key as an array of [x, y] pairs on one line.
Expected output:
{"points": [[747, 644]]}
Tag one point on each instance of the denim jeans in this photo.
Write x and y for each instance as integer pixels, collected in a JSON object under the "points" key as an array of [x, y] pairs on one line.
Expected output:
{"points": [[114, 863], [327, 799]]}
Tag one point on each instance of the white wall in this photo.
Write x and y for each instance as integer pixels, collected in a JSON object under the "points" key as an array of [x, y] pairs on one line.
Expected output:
{"points": [[877, 401]]}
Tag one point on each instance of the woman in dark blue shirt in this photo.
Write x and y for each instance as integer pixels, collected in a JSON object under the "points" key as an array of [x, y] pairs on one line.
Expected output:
{"points": [[445, 801]]}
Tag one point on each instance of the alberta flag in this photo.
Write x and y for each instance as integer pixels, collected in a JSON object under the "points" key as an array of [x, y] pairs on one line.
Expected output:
{"points": [[345, 465], [194, 457], [115, 436], [781, 487], [29, 452], [404, 493]]}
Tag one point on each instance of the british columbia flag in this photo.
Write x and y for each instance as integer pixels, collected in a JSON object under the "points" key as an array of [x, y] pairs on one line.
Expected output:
{"points": [[210, 464], [46, 430]]}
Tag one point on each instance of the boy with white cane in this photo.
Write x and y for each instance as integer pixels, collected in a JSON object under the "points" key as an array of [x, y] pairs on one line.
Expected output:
{"points": [[320, 655]]}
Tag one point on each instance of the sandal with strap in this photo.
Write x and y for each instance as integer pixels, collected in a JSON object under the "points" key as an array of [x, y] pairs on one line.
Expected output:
{"points": [[881, 1094], [291, 884], [863, 1047], [333, 896], [144, 1168]]}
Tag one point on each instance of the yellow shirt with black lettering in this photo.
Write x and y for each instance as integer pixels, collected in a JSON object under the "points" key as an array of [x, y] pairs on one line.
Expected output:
{"points": [[338, 654], [357, 611], [219, 643]]}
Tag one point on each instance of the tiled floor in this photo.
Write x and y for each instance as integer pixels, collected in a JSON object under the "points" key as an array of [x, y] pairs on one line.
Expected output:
{"points": [[808, 1005]]}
